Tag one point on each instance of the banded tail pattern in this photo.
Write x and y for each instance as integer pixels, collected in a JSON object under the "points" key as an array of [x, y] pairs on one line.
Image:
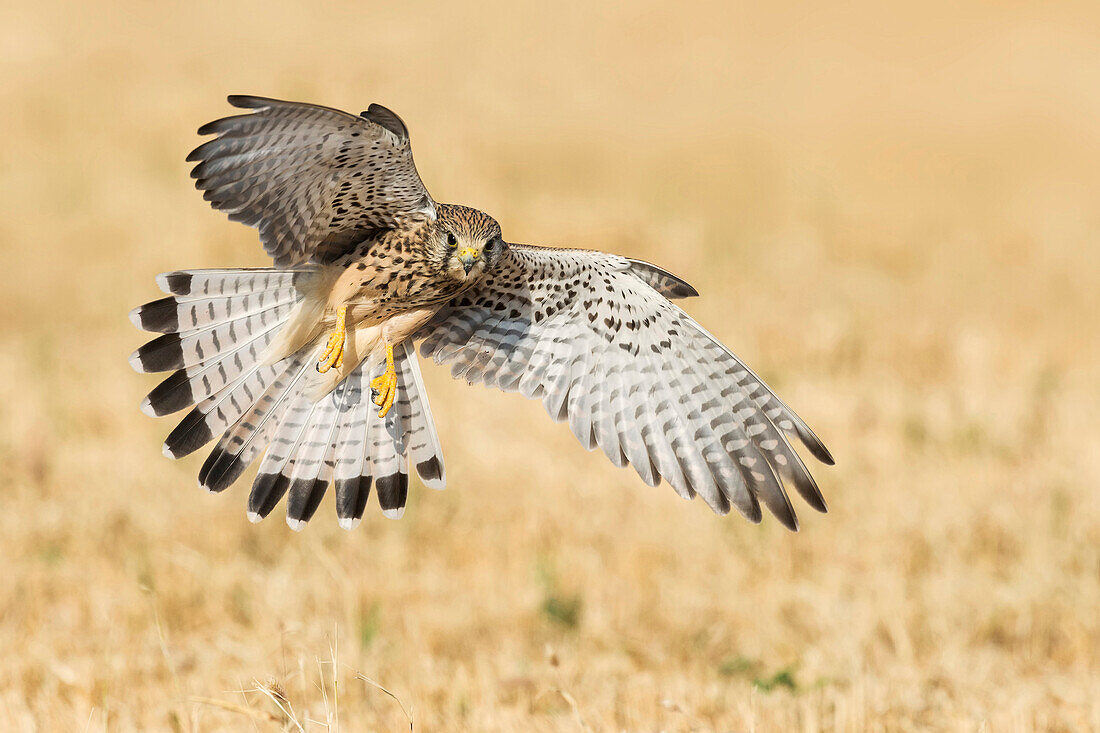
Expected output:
{"points": [[216, 326]]}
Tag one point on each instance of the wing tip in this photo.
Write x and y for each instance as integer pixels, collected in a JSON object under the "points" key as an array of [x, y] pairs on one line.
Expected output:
{"points": [[248, 101], [387, 119], [793, 424], [664, 282], [815, 446], [814, 498], [788, 520]]}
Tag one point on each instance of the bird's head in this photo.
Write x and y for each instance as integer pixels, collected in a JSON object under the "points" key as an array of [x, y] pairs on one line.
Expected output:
{"points": [[469, 241]]}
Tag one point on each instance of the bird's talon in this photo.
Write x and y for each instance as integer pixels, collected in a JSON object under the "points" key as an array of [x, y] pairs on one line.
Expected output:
{"points": [[384, 387], [333, 355]]}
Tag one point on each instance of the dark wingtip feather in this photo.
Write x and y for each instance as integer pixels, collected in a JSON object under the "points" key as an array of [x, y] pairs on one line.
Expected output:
{"points": [[776, 499], [794, 471], [807, 488], [207, 150], [814, 444], [811, 494], [387, 118], [393, 492], [683, 290], [663, 281], [720, 505], [249, 101], [215, 126], [751, 511], [787, 518]]}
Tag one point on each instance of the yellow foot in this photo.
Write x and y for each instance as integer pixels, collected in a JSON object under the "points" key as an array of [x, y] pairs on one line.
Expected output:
{"points": [[333, 355], [385, 386]]}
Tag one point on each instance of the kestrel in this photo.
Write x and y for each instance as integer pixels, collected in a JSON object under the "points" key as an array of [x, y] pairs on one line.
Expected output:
{"points": [[311, 361]]}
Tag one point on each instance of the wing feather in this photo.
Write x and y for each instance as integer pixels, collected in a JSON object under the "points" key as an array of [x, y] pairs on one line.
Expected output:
{"points": [[594, 337], [309, 177]]}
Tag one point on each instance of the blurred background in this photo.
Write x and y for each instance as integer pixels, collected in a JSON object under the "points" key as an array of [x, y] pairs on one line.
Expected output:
{"points": [[891, 214]]}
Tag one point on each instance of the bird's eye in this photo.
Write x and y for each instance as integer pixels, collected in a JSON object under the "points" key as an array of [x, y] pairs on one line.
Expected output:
{"points": [[490, 245], [452, 240]]}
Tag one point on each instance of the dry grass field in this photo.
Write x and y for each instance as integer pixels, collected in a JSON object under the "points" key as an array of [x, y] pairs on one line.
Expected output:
{"points": [[892, 214]]}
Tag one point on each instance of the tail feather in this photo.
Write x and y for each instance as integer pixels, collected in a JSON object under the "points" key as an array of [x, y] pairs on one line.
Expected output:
{"points": [[388, 466], [199, 346], [195, 382], [351, 467], [313, 464], [425, 452], [180, 314], [226, 282], [384, 461], [217, 412], [217, 327], [249, 435], [277, 466]]}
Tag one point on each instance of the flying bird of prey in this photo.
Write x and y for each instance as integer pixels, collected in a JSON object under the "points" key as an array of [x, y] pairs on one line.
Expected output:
{"points": [[311, 361]]}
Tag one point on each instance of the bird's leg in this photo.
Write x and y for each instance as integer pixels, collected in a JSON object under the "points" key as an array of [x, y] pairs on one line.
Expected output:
{"points": [[333, 355], [385, 386]]}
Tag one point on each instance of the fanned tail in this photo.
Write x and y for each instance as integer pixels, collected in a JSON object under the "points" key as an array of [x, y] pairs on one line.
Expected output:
{"points": [[217, 326]]}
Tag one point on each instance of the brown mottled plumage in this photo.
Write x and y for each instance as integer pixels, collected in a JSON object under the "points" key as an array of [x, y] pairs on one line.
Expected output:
{"points": [[283, 361]]}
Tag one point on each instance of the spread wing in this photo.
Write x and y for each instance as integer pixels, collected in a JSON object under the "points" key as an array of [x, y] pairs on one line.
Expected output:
{"points": [[588, 335], [314, 180]]}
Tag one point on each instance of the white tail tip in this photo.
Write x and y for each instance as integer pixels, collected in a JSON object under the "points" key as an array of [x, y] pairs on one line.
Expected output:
{"points": [[135, 363]]}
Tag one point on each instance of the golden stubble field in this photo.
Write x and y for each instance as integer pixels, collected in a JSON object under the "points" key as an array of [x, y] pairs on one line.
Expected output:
{"points": [[891, 214]]}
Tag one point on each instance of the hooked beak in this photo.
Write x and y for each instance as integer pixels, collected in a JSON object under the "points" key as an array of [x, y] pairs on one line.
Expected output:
{"points": [[468, 256]]}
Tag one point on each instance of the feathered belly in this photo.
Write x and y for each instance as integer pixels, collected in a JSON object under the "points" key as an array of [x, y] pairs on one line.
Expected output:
{"points": [[373, 320]]}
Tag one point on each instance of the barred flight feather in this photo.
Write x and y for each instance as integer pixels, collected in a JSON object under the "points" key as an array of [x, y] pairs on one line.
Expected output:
{"points": [[307, 175], [594, 337]]}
